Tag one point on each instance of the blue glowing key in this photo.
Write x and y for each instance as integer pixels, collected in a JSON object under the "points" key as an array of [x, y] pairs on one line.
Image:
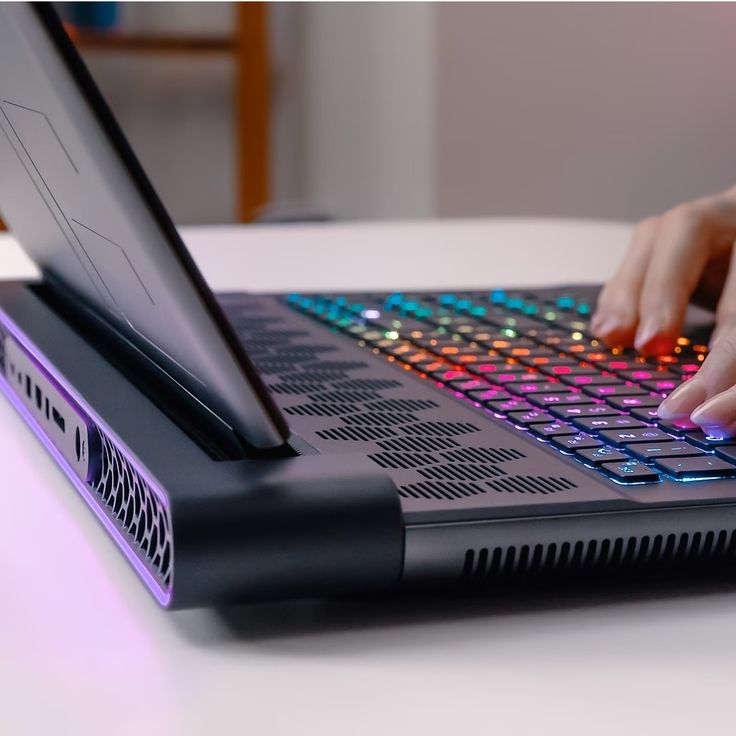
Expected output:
{"points": [[565, 302], [498, 296], [584, 309], [447, 299]]}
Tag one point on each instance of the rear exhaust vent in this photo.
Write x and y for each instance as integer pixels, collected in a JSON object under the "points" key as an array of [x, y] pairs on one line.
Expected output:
{"points": [[597, 554]]}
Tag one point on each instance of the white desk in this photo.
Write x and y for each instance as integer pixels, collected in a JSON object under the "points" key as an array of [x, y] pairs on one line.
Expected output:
{"points": [[85, 650]]}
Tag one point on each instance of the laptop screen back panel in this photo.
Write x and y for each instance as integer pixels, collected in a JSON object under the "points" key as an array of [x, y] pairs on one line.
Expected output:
{"points": [[74, 195]]}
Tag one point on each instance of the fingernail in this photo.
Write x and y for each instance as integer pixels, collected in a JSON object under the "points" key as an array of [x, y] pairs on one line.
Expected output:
{"points": [[645, 334], [718, 412], [683, 400]]}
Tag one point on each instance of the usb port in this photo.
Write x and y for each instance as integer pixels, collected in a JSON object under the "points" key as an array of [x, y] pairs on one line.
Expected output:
{"points": [[58, 419]]}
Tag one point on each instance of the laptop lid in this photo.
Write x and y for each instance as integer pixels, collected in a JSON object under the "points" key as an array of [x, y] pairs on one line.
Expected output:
{"points": [[75, 196]]}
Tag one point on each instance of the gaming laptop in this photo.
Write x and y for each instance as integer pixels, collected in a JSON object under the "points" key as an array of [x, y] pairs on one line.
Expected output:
{"points": [[240, 447]]}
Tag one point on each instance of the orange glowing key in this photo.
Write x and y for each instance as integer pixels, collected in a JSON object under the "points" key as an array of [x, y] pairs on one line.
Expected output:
{"points": [[520, 351], [501, 344], [700, 348], [596, 356], [577, 349], [450, 351], [540, 360]]}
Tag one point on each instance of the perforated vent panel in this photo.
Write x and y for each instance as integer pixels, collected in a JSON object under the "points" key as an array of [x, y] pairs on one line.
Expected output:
{"points": [[597, 554], [137, 509], [436, 449]]}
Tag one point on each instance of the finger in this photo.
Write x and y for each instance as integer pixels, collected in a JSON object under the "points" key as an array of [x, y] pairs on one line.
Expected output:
{"points": [[726, 309], [677, 263], [717, 416], [689, 236], [616, 315], [698, 398]]}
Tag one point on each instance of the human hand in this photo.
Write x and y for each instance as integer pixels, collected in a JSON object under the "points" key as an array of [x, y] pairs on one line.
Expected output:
{"points": [[684, 255]]}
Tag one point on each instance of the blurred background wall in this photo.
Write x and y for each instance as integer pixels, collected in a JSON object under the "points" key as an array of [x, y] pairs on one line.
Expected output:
{"points": [[391, 110]]}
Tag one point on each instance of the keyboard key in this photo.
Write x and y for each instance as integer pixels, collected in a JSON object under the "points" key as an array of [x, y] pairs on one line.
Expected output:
{"points": [[543, 387], [632, 402], [546, 400], [552, 366], [552, 429], [584, 410], [467, 385], [503, 406], [630, 471], [649, 453], [569, 370], [489, 394], [530, 417], [571, 443], [604, 392], [625, 437], [447, 375], [700, 468], [591, 380], [599, 455], [597, 424], [680, 427], [642, 374], [661, 387], [485, 368], [706, 441], [649, 416], [507, 377], [727, 452]]}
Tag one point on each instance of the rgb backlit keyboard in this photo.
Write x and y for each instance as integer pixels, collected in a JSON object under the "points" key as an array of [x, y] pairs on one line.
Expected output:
{"points": [[528, 359]]}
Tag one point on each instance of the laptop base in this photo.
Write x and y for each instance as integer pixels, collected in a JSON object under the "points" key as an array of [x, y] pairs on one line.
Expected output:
{"points": [[197, 530]]}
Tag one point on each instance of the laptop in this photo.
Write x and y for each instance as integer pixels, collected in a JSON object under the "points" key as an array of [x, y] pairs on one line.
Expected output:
{"points": [[240, 446]]}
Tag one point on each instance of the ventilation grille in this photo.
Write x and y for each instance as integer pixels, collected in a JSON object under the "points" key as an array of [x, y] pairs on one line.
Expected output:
{"points": [[441, 429], [483, 455], [136, 508], [418, 444], [532, 484], [316, 409], [407, 460], [597, 554], [431, 454], [359, 434], [433, 490], [402, 405]]}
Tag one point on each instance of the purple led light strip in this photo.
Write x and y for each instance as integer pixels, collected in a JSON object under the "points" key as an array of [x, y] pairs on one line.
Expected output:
{"points": [[162, 595]]}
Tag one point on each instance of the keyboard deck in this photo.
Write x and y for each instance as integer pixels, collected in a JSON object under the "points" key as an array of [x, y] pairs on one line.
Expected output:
{"points": [[528, 359]]}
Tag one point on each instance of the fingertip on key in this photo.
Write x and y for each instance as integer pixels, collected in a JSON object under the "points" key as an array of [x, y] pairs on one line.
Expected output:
{"points": [[683, 401]]}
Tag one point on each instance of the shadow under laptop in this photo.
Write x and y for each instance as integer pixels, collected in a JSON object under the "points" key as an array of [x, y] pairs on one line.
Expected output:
{"points": [[388, 620]]}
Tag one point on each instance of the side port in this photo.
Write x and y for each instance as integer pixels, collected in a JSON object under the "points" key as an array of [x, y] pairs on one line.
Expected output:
{"points": [[65, 424]]}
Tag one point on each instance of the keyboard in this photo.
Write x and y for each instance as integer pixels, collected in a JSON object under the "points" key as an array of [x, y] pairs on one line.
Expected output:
{"points": [[528, 359]]}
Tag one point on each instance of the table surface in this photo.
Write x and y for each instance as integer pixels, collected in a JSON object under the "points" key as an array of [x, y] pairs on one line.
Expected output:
{"points": [[85, 650]]}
